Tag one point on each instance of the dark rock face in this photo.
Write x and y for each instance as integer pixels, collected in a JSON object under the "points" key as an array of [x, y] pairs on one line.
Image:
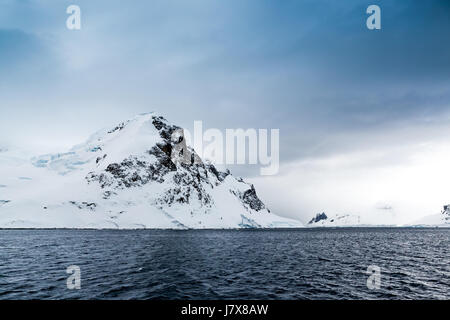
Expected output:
{"points": [[100, 159], [165, 130], [163, 154], [218, 174], [118, 128], [84, 205], [251, 199], [132, 172], [446, 212], [318, 217]]}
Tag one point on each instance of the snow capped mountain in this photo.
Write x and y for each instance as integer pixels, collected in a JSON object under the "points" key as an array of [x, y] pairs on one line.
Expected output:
{"points": [[338, 220], [437, 220], [348, 220], [139, 174]]}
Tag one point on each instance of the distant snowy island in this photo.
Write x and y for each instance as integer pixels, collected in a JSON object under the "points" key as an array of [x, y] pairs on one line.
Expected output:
{"points": [[437, 220], [441, 220], [126, 178], [340, 220]]}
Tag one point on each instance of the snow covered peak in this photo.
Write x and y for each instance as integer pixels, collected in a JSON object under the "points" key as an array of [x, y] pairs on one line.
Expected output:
{"points": [[318, 217], [128, 138], [131, 176]]}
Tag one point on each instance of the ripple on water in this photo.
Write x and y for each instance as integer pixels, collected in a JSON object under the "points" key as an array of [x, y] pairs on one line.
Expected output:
{"points": [[208, 264]]}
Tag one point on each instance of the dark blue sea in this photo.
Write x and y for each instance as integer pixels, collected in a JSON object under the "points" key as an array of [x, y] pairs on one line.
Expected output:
{"points": [[235, 264]]}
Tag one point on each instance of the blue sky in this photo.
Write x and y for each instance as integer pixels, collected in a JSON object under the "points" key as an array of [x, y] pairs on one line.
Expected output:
{"points": [[310, 68]]}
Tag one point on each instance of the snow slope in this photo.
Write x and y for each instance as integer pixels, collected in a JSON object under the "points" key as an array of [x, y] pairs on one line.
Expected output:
{"points": [[437, 220], [132, 176], [342, 220], [337, 220], [351, 220]]}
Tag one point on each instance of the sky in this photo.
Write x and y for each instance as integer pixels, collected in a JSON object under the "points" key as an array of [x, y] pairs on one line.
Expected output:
{"points": [[363, 114]]}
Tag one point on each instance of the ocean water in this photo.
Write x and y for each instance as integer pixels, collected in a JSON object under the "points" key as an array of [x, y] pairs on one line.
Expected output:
{"points": [[235, 264]]}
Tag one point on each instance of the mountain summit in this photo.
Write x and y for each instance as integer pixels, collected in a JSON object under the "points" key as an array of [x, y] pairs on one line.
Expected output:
{"points": [[139, 174]]}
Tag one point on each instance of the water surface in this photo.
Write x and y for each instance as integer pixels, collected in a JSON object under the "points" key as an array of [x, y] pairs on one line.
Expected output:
{"points": [[234, 264]]}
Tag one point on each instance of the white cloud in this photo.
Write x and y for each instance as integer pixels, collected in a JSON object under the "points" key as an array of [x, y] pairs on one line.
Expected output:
{"points": [[392, 183]]}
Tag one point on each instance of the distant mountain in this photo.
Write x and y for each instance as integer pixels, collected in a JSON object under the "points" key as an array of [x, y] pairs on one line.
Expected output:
{"points": [[437, 220], [131, 176], [338, 220], [348, 220]]}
